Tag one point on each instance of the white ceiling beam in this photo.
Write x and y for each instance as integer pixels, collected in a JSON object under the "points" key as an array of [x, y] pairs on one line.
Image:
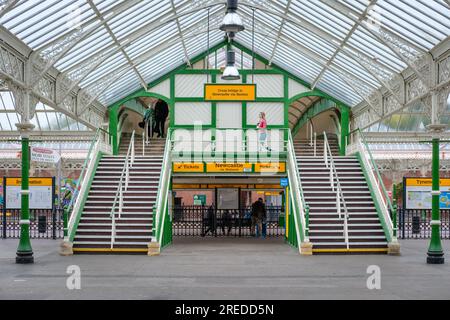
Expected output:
{"points": [[117, 43], [343, 43], [180, 33], [6, 6]]}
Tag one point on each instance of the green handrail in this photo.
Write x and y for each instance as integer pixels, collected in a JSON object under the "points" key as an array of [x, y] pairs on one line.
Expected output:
{"points": [[163, 190], [296, 190], [77, 187], [380, 180]]}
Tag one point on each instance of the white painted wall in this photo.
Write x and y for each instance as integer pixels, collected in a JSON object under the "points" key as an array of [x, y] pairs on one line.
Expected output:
{"points": [[229, 115], [274, 112], [162, 88], [296, 88], [188, 113], [190, 85], [268, 85]]}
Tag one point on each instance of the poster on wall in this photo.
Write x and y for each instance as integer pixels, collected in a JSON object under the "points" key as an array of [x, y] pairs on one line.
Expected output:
{"points": [[228, 199], [41, 193], [418, 193]]}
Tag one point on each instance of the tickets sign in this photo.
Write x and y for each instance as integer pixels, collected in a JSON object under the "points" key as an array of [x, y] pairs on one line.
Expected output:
{"points": [[230, 92], [188, 167]]}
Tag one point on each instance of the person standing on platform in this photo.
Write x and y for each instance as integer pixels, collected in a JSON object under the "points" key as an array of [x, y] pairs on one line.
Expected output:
{"points": [[161, 113], [258, 216]]}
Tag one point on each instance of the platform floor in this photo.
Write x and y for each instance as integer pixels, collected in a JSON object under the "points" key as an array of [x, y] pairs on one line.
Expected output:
{"points": [[223, 269]]}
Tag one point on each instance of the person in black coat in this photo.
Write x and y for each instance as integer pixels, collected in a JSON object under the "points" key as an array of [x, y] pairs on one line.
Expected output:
{"points": [[161, 113]]}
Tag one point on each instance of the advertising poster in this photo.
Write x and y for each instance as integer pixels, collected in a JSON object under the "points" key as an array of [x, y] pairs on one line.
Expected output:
{"points": [[418, 193]]}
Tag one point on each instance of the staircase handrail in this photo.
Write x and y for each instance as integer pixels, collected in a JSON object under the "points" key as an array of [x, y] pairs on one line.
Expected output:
{"points": [[129, 161], [296, 191], [163, 189], [367, 157], [339, 194], [74, 201]]}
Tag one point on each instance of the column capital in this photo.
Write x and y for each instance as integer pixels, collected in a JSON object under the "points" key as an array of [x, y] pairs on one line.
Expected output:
{"points": [[25, 129]]}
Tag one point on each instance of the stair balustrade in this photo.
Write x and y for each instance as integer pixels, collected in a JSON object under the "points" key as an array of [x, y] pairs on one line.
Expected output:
{"points": [[330, 164], [123, 186], [101, 142], [299, 207], [358, 143]]}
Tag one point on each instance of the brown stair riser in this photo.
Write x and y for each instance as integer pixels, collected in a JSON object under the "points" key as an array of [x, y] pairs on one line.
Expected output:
{"points": [[116, 246], [133, 180], [353, 228], [130, 203], [332, 198], [340, 233], [321, 224], [119, 226], [136, 166], [125, 209], [118, 233], [94, 239], [123, 220], [127, 194]]}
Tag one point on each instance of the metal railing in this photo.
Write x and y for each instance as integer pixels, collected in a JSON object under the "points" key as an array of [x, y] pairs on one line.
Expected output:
{"points": [[122, 187], [296, 191], [381, 194], [229, 141], [416, 223], [160, 209], [101, 137], [330, 164], [201, 221], [44, 223]]}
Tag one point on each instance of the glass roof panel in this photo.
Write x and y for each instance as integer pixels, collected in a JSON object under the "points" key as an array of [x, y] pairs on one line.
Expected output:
{"points": [[303, 36]]}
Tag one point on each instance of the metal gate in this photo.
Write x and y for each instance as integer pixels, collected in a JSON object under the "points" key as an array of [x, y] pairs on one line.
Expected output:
{"points": [[415, 224], [201, 221], [45, 224]]}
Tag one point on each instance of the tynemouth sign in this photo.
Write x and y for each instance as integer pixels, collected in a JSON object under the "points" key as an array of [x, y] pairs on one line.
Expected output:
{"points": [[230, 92]]}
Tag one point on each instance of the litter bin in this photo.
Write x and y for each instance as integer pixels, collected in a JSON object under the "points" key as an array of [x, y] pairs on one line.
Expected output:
{"points": [[416, 224], [42, 224]]}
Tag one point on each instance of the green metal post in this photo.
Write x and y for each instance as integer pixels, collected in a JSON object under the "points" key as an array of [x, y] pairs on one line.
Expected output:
{"points": [[345, 123], [113, 126], [24, 251], [435, 252], [307, 221]]}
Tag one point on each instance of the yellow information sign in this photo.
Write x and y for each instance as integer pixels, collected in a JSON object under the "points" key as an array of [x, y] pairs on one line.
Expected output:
{"points": [[188, 167], [271, 167], [230, 92], [425, 182], [229, 167], [36, 182]]}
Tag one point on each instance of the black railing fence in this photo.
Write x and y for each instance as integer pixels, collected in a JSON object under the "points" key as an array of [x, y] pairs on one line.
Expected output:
{"points": [[44, 223], [415, 224], [198, 221]]}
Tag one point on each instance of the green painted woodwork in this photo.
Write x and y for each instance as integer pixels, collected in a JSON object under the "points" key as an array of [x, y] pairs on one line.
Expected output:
{"points": [[435, 252], [24, 250], [375, 201], [84, 196], [345, 128]]}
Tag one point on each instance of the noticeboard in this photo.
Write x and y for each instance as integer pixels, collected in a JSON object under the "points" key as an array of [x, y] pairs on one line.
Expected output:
{"points": [[418, 193], [42, 192]]}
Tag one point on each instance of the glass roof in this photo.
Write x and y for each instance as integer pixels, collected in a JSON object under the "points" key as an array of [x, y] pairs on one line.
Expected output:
{"points": [[46, 119], [137, 41]]}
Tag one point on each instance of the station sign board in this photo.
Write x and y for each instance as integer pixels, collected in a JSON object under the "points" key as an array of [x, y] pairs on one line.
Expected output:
{"points": [[41, 193], [230, 92], [418, 193], [189, 167], [223, 167], [229, 167]]}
